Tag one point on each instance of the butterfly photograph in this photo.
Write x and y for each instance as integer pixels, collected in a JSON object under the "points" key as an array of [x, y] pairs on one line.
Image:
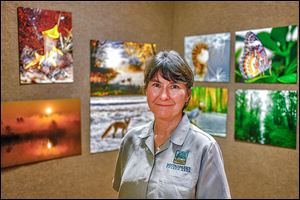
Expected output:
{"points": [[266, 55]]}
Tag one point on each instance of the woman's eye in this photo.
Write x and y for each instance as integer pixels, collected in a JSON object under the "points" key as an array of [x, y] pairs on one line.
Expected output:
{"points": [[174, 87], [156, 85]]}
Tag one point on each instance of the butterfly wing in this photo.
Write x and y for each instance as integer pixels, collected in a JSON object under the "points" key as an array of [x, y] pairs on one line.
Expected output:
{"points": [[263, 59], [250, 66], [254, 60]]}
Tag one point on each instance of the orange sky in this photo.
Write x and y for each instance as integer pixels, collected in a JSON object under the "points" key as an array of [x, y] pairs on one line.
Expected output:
{"points": [[30, 108], [65, 113]]}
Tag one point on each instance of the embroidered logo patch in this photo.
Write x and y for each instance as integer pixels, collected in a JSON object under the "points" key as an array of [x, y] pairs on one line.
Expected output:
{"points": [[180, 157]]}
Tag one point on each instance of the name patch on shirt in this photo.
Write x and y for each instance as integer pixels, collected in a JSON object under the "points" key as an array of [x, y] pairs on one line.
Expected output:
{"points": [[180, 157], [178, 167]]}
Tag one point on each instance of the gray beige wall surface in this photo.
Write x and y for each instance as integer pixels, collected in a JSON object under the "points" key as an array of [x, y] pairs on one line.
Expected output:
{"points": [[254, 171]]}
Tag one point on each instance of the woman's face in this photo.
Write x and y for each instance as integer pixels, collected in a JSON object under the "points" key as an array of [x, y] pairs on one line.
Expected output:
{"points": [[166, 99]]}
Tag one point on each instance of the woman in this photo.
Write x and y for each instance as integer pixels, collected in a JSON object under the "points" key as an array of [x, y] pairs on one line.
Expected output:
{"points": [[169, 157]]}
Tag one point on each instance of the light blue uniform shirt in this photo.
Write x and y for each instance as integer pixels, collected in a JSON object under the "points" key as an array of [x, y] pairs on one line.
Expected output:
{"points": [[188, 165]]}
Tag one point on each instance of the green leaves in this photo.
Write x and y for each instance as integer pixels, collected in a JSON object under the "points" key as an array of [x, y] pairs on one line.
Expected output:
{"points": [[266, 40], [279, 34], [238, 54], [262, 79], [239, 38], [292, 67], [291, 78]]}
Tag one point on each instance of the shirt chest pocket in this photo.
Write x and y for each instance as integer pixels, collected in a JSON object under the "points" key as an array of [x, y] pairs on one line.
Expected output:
{"points": [[178, 177], [137, 167], [177, 184]]}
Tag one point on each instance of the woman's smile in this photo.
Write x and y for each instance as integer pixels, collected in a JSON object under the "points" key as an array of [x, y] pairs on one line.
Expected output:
{"points": [[163, 106], [166, 98]]}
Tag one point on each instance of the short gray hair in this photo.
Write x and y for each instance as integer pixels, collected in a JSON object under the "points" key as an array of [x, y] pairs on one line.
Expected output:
{"points": [[172, 68]]}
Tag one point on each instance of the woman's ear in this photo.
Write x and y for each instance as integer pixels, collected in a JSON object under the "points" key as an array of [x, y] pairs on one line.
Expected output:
{"points": [[189, 92]]}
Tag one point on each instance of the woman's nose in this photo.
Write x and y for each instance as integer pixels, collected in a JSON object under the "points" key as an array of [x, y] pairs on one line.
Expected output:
{"points": [[164, 95]]}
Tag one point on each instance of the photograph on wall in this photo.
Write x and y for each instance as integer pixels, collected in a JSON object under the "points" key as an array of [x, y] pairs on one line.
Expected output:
{"points": [[117, 68], [209, 56], [111, 117], [33, 131], [266, 117], [207, 109], [267, 55], [45, 46]]}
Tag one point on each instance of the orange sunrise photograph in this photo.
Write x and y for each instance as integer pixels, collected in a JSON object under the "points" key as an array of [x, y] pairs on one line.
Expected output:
{"points": [[33, 131]]}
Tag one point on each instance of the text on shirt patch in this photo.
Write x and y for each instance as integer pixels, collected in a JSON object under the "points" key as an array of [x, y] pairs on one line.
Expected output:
{"points": [[178, 167]]}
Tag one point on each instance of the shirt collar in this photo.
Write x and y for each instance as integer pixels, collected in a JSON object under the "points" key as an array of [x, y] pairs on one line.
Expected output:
{"points": [[148, 136], [147, 131], [180, 133]]}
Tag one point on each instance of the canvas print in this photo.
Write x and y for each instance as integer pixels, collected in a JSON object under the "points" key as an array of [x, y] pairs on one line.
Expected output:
{"points": [[117, 68], [111, 117], [33, 131], [267, 55], [45, 46], [266, 117], [207, 109], [209, 56]]}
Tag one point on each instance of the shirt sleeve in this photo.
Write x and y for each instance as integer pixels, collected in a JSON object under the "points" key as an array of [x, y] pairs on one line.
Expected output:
{"points": [[118, 170], [212, 182]]}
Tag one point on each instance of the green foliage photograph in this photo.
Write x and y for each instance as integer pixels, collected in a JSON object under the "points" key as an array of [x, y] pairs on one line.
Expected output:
{"points": [[266, 117], [207, 109], [267, 55]]}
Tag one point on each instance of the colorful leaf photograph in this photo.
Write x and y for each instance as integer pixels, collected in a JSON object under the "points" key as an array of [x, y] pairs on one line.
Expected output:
{"points": [[45, 46], [209, 56], [267, 55], [117, 68], [207, 109], [39, 130], [266, 117]]}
